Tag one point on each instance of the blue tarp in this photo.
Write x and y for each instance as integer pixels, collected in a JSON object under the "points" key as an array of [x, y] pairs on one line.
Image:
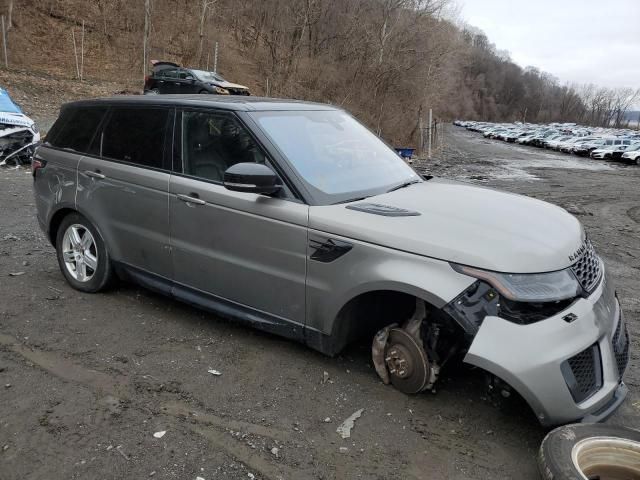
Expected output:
{"points": [[6, 104]]}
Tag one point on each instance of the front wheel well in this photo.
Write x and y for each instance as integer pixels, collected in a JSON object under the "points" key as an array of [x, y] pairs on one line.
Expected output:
{"points": [[369, 312], [55, 222]]}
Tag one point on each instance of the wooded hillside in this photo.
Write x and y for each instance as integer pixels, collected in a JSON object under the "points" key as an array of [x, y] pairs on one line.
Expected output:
{"points": [[387, 61]]}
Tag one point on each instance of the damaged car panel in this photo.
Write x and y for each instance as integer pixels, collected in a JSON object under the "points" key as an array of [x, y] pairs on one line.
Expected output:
{"points": [[19, 135], [330, 238], [564, 370]]}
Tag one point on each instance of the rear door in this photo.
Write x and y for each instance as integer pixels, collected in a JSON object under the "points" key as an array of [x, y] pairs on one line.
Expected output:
{"points": [[241, 247], [123, 186], [167, 80]]}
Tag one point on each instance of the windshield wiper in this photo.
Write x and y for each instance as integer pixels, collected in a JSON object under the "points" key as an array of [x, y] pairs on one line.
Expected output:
{"points": [[403, 185]]}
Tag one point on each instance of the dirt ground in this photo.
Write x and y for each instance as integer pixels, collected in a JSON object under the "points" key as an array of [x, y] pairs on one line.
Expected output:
{"points": [[86, 380]]}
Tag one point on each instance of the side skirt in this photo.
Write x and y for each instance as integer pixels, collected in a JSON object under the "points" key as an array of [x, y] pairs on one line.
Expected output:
{"points": [[220, 306]]}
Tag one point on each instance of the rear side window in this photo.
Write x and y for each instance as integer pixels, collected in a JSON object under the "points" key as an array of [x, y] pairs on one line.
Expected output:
{"points": [[167, 73], [136, 135], [75, 128]]}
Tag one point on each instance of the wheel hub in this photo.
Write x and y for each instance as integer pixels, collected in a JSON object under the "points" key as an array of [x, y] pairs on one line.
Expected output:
{"points": [[399, 362], [406, 361]]}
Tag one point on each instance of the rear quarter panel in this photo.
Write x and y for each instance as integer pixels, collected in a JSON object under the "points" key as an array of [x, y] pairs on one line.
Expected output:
{"points": [[55, 185]]}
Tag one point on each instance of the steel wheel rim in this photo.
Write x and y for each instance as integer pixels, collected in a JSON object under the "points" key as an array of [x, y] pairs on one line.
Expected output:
{"points": [[80, 253], [607, 458]]}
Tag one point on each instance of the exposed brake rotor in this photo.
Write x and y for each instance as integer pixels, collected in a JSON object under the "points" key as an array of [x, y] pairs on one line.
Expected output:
{"points": [[406, 362]]}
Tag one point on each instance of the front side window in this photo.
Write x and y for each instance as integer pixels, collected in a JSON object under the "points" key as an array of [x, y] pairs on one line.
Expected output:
{"points": [[208, 76], [212, 142], [136, 135], [336, 157]]}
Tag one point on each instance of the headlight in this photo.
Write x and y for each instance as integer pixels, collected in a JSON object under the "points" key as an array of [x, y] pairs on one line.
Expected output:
{"points": [[518, 298], [530, 287], [222, 91]]}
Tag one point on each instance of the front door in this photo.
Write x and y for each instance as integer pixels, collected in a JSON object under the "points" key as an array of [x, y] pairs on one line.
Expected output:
{"points": [[247, 249]]}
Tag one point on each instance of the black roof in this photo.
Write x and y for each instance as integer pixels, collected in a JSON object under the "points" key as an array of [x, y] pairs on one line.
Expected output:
{"points": [[226, 102]]}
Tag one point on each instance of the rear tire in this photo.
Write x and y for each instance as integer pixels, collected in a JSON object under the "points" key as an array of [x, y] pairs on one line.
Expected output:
{"points": [[82, 255], [592, 451]]}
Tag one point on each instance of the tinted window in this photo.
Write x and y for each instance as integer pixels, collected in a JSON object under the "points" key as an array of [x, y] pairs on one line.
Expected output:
{"points": [[75, 128], [136, 135], [168, 73], [212, 142]]}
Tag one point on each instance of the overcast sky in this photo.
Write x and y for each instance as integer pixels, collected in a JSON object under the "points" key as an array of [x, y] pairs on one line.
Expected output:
{"points": [[583, 41]]}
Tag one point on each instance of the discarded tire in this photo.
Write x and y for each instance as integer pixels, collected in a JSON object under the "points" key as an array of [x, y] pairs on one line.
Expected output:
{"points": [[589, 452]]}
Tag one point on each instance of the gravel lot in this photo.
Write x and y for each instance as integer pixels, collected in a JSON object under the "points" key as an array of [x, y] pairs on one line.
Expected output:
{"points": [[86, 380]]}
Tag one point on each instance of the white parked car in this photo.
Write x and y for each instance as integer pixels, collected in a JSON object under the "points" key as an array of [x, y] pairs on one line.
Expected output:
{"points": [[632, 154]]}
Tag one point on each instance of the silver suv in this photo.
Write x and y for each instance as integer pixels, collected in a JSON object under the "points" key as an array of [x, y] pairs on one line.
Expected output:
{"points": [[294, 218]]}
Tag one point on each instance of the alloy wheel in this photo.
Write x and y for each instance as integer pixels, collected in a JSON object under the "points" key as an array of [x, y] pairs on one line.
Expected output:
{"points": [[79, 252]]}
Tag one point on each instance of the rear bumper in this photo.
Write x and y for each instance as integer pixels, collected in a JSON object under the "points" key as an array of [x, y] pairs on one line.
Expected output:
{"points": [[536, 360]]}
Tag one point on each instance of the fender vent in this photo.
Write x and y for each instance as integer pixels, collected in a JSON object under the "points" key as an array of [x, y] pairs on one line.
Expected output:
{"points": [[327, 250]]}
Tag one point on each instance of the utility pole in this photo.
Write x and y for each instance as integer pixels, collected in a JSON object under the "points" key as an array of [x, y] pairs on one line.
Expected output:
{"points": [[430, 125], [82, 53], [267, 87], [421, 129], [4, 44], [145, 40], [75, 52], [215, 59]]}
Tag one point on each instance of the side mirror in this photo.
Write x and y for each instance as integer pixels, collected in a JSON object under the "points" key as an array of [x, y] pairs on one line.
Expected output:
{"points": [[251, 178]]}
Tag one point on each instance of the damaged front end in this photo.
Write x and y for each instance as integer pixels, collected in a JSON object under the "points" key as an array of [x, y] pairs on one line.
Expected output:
{"points": [[19, 134]]}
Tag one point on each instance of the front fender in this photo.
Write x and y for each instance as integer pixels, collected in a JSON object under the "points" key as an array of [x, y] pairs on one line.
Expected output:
{"points": [[366, 268]]}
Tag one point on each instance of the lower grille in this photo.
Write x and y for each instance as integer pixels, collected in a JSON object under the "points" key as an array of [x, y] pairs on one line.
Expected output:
{"points": [[583, 373], [620, 343]]}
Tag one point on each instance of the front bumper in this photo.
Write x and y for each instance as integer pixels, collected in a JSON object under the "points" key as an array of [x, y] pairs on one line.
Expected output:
{"points": [[534, 359]]}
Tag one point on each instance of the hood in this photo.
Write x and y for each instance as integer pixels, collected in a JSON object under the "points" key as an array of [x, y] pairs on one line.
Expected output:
{"points": [[462, 223], [15, 119], [226, 84]]}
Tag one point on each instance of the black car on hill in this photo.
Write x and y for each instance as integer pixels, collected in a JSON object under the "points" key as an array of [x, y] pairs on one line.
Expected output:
{"points": [[169, 77]]}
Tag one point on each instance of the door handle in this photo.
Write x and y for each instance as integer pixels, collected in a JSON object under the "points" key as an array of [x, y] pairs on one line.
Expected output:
{"points": [[95, 174], [191, 199]]}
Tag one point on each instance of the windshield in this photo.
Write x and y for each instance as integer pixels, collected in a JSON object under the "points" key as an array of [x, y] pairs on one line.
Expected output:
{"points": [[336, 157], [208, 76]]}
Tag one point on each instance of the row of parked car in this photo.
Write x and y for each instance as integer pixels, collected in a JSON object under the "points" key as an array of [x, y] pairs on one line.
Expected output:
{"points": [[598, 143]]}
